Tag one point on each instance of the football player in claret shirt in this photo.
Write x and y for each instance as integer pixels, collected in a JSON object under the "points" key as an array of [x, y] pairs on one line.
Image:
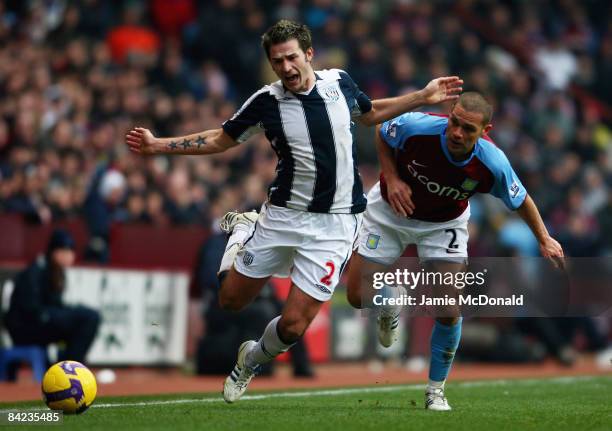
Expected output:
{"points": [[431, 166]]}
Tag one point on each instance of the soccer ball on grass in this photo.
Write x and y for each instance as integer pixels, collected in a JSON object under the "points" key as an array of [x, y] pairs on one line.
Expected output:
{"points": [[69, 386]]}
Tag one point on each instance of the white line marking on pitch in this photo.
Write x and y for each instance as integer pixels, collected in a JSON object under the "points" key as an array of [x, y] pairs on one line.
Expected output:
{"points": [[331, 392], [267, 396]]}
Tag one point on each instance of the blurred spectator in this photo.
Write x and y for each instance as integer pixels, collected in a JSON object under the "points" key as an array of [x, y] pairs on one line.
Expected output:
{"points": [[557, 335], [131, 40], [557, 63], [37, 314], [604, 219], [101, 209], [171, 16]]}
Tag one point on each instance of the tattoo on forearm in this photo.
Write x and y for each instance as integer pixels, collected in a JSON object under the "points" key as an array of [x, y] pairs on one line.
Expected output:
{"points": [[187, 143], [200, 141]]}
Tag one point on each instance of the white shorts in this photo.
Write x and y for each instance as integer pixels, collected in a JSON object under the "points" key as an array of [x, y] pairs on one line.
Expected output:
{"points": [[384, 235], [312, 248]]}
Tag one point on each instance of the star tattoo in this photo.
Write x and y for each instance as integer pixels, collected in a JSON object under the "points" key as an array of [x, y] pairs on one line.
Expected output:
{"points": [[172, 145], [200, 141], [186, 144]]}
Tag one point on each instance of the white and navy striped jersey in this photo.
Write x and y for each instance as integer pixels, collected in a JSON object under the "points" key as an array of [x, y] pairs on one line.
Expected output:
{"points": [[312, 136]]}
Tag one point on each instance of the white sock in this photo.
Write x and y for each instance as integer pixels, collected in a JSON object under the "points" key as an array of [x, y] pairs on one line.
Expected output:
{"points": [[234, 243], [268, 347], [392, 292], [436, 385]]}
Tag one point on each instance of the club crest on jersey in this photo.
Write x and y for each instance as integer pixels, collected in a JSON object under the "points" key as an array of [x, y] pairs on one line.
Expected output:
{"points": [[247, 258], [331, 93], [392, 131], [514, 189], [372, 241], [323, 288], [469, 184]]}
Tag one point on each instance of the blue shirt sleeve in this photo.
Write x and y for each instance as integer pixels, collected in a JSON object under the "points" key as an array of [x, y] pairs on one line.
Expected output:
{"points": [[348, 86], [506, 185], [396, 131]]}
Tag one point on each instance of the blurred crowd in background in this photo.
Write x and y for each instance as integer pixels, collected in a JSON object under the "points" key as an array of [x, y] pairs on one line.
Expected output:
{"points": [[75, 76]]}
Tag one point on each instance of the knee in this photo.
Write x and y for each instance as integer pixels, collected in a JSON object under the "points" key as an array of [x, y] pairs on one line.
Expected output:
{"points": [[291, 328], [353, 285], [92, 318], [229, 301], [448, 321], [230, 297], [95, 318], [354, 296]]}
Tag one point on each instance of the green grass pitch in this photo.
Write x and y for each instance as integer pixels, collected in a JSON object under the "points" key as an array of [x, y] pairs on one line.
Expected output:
{"points": [[581, 403]]}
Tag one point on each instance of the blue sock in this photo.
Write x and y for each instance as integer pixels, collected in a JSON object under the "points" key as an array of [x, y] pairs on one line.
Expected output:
{"points": [[444, 343]]}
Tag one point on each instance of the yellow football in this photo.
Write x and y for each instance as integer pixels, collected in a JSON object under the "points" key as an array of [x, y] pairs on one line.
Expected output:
{"points": [[69, 386]]}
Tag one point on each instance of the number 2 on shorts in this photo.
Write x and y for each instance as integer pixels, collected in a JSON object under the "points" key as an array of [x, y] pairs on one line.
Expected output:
{"points": [[453, 242], [332, 269]]}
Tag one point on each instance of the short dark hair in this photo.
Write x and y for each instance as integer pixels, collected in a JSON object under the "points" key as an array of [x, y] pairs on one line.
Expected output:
{"points": [[285, 30], [474, 102]]}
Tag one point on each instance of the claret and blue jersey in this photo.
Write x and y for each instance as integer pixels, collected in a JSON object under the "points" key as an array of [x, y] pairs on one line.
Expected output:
{"points": [[440, 185]]}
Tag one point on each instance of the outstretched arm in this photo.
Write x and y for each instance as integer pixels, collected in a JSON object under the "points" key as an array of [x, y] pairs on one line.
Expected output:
{"points": [[549, 247], [437, 91], [142, 141]]}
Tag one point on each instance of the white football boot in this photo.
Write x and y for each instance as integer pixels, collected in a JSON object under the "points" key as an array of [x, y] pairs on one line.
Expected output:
{"points": [[236, 383], [232, 218], [435, 400], [388, 329]]}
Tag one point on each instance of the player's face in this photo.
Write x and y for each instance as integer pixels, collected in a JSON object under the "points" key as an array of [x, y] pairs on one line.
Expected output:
{"points": [[292, 65], [63, 257], [464, 129]]}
